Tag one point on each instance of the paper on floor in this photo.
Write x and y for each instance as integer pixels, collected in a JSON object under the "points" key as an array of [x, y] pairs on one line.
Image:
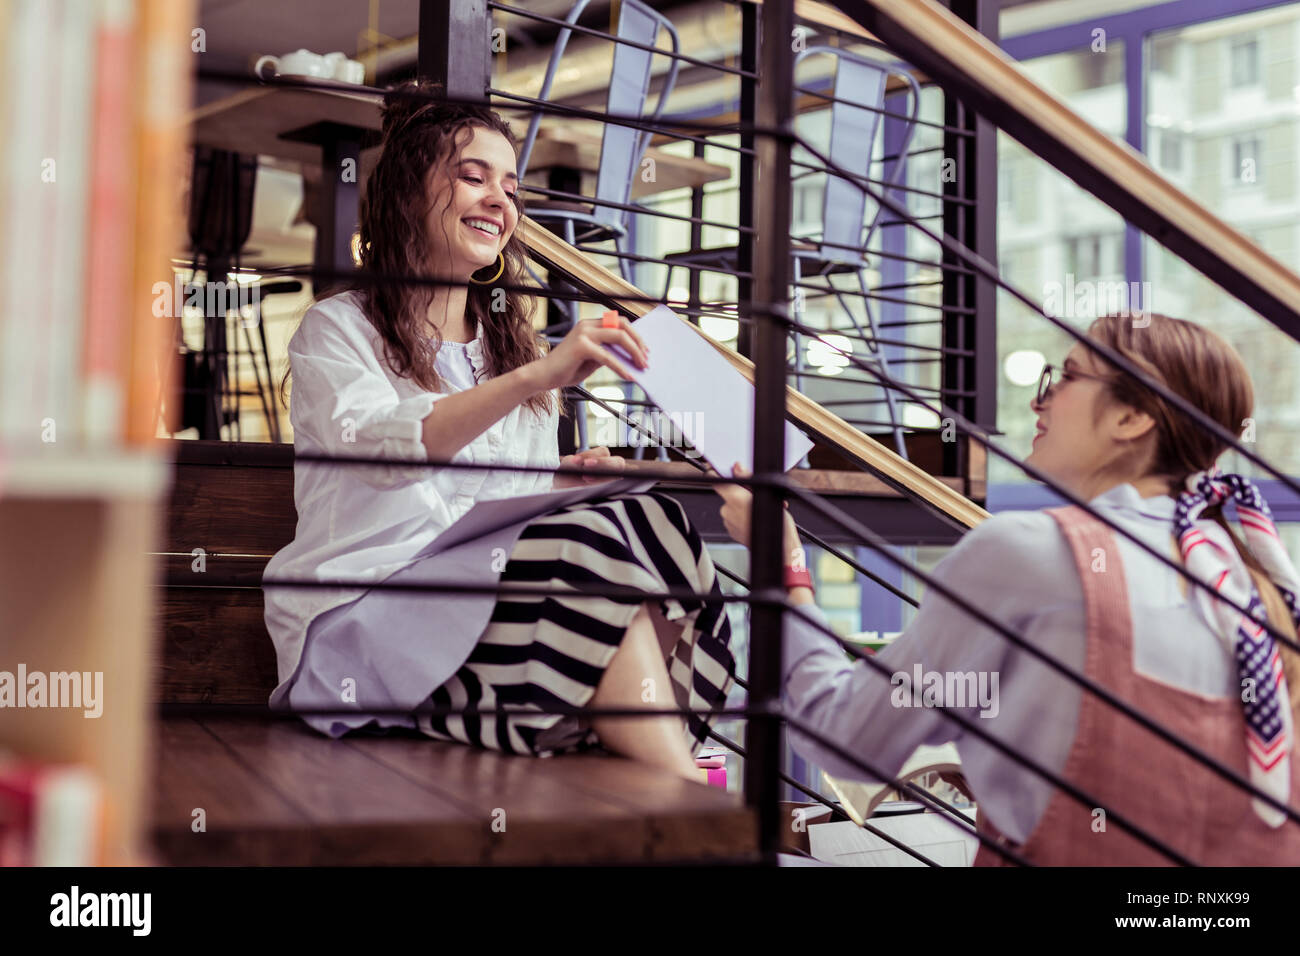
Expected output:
{"points": [[846, 844]]}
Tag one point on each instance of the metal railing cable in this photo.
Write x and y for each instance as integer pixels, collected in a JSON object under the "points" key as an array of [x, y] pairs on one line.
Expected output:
{"points": [[715, 67], [893, 187], [825, 545], [887, 553], [1170, 737], [888, 114], [1116, 360], [622, 41], [846, 521], [1085, 682], [1125, 366], [601, 588], [736, 578], [988, 271], [618, 119], [950, 813], [632, 207], [651, 260], [648, 474]]}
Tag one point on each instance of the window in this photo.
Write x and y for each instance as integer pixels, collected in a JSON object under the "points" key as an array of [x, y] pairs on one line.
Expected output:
{"points": [[1231, 147], [808, 195], [1170, 153], [1163, 55], [1098, 70], [1048, 226], [1093, 255], [1072, 75], [1083, 255], [1245, 168], [1244, 61]]}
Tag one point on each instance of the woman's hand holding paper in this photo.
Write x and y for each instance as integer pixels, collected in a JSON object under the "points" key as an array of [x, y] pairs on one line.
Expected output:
{"points": [[737, 504], [601, 465]]}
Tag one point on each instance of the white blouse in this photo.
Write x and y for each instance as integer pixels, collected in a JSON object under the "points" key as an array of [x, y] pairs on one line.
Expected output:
{"points": [[363, 522], [1017, 567]]}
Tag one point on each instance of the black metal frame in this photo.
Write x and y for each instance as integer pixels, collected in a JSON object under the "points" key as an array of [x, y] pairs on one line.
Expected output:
{"points": [[767, 527], [1080, 167], [971, 142], [970, 285]]}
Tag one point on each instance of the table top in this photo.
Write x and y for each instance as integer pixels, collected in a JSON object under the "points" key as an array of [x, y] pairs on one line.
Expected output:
{"points": [[257, 119], [577, 149]]}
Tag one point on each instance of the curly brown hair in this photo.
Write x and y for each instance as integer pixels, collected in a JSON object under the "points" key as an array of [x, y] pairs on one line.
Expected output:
{"points": [[421, 131]]}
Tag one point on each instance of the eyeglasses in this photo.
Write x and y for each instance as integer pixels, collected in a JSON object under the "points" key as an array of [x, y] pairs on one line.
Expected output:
{"points": [[1046, 382]]}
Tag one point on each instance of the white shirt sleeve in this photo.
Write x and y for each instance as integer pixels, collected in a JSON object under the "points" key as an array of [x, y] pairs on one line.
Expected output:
{"points": [[543, 481], [343, 402], [993, 566]]}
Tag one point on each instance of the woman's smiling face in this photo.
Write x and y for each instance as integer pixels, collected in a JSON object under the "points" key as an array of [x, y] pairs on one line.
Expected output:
{"points": [[481, 184]]}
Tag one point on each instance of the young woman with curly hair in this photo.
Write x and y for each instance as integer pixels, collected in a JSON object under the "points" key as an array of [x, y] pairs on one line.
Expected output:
{"points": [[431, 357]]}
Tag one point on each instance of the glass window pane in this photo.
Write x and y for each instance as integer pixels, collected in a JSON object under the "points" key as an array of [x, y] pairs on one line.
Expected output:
{"points": [[1054, 242], [1227, 90]]}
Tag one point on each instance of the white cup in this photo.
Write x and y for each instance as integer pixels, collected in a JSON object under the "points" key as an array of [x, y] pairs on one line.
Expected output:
{"points": [[298, 63], [350, 71], [345, 70]]}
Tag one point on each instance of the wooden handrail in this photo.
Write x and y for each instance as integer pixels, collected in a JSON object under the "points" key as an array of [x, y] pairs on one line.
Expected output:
{"points": [[553, 252], [968, 64]]}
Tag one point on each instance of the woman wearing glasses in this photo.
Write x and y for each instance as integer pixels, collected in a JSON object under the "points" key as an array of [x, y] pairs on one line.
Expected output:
{"points": [[1090, 598]]}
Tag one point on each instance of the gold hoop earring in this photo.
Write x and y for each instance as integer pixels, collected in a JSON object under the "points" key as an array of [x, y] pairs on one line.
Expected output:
{"points": [[500, 269]]}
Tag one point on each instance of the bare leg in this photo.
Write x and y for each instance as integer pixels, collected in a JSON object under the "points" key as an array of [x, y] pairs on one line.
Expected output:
{"points": [[654, 740]]}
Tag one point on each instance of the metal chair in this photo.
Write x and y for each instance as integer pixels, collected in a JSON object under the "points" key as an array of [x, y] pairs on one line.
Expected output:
{"points": [[621, 146], [859, 96]]}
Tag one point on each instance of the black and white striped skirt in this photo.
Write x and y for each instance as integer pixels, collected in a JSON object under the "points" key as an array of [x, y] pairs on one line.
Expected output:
{"points": [[541, 652]]}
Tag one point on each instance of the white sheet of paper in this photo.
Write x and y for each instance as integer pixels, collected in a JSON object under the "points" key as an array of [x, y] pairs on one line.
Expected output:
{"points": [[497, 513], [704, 394], [844, 843]]}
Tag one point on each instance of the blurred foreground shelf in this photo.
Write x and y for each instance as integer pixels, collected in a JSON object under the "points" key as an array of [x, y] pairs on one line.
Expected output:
{"points": [[85, 474]]}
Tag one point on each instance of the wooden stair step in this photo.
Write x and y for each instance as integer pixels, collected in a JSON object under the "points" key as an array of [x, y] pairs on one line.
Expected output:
{"points": [[278, 793], [274, 791], [215, 648]]}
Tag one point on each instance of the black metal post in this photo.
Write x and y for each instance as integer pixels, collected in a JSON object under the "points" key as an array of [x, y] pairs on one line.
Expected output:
{"points": [[697, 238], [214, 358], [455, 46], [973, 159], [340, 200], [768, 307], [748, 110]]}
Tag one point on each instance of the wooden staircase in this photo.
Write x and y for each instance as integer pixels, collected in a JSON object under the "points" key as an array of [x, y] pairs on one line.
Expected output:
{"points": [[253, 788], [274, 791]]}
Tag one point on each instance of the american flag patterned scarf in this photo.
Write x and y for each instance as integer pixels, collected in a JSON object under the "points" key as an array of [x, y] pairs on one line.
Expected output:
{"points": [[1265, 699]]}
